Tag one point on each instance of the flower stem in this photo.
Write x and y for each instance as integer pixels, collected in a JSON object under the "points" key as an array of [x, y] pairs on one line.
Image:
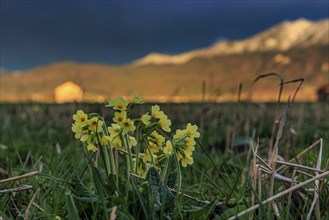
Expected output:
{"points": [[179, 174]]}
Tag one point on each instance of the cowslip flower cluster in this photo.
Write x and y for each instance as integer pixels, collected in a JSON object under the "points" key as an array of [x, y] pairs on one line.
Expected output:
{"points": [[150, 131], [89, 129], [184, 144]]}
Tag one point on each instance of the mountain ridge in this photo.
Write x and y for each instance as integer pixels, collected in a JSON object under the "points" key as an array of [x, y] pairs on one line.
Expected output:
{"points": [[287, 35]]}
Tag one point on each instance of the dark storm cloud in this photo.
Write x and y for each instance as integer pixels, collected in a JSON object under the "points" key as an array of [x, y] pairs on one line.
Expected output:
{"points": [[39, 32]]}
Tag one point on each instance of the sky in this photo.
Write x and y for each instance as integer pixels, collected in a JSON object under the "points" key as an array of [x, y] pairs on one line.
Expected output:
{"points": [[34, 33]]}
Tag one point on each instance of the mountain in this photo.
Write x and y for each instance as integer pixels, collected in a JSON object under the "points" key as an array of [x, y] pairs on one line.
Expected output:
{"points": [[288, 35], [213, 73]]}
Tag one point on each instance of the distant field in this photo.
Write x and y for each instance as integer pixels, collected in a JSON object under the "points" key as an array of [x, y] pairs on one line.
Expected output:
{"points": [[39, 137]]}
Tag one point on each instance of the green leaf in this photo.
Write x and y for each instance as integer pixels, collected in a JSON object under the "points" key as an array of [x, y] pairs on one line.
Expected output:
{"points": [[111, 184], [80, 191], [101, 190], [77, 187], [161, 192], [99, 183], [155, 187], [192, 208], [71, 208], [172, 179]]}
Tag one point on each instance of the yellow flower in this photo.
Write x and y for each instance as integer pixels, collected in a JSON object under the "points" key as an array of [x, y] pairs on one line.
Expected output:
{"points": [[187, 161], [192, 130], [147, 157], [153, 147], [156, 141], [168, 149], [128, 125], [164, 124], [132, 141], [142, 172], [58, 217], [156, 113], [105, 139], [180, 135], [187, 151], [190, 141], [80, 117], [120, 117], [118, 104], [137, 99], [95, 124], [77, 129], [91, 147], [115, 141], [114, 129], [86, 137], [146, 119]]}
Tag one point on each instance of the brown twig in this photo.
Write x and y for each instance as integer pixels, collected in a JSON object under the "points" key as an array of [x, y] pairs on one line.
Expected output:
{"points": [[315, 203], [300, 155], [26, 175], [38, 207], [300, 166], [27, 211], [16, 189]]}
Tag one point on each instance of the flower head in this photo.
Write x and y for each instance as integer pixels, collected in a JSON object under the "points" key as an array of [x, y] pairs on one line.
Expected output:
{"points": [[168, 149], [128, 125], [114, 129], [118, 104], [95, 124], [137, 99], [80, 117], [91, 147], [192, 130], [146, 119], [120, 117], [77, 129], [132, 141], [187, 161], [156, 113], [164, 124]]}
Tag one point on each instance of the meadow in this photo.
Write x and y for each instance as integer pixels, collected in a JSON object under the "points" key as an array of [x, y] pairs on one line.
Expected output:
{"points": [[240, 145]]}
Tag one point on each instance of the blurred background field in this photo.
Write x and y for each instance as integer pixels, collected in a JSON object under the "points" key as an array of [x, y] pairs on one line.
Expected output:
{"points": [[222, 125]]}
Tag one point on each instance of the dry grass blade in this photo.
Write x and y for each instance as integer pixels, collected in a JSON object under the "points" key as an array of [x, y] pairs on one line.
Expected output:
{"points": [[38, 207], [27, 211], [291, 185], [298, 157], [259, 185], [113, 215], [285, 192], [268, 166], [300, 166], [254, 172], [20, 177], [272, 74], [301, 81], [315, 203], [16, 189]]}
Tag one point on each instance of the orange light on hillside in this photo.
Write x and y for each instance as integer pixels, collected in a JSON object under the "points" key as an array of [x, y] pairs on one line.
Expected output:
{"points": [[68, 92]]}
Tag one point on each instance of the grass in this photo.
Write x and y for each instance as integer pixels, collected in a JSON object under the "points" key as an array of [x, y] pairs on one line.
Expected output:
{"points": [[223, 181]]}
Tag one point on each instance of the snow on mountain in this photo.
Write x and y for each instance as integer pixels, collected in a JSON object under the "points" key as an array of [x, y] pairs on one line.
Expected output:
{"points": [[301, 33]]}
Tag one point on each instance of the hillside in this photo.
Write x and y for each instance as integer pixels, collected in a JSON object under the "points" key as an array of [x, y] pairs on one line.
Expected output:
{"points": [[222, 75]]}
